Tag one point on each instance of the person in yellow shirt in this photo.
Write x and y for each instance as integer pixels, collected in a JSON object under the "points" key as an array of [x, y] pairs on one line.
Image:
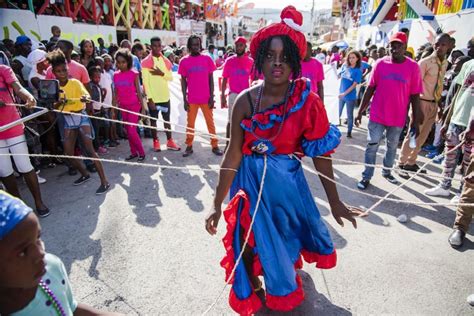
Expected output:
{"points": [[156, 73], [74, 97]]}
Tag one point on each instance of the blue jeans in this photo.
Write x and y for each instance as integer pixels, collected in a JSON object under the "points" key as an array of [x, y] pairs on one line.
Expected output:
{"points": [[350, 112], [374, 136]]}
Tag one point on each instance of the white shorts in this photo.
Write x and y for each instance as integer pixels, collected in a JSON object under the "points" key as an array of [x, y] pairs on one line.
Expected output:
{"points": [[14, 145], [230, 103]]}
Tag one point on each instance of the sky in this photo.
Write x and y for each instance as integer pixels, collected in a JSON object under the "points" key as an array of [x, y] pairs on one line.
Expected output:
{"points": [[301, 4]]}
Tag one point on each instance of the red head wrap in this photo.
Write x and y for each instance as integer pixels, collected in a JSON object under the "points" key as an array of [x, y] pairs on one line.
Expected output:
{"points": [[290, 25]]}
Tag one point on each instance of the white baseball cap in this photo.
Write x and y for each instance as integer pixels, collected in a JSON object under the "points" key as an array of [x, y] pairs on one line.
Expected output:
{"points": [[36, 56]]}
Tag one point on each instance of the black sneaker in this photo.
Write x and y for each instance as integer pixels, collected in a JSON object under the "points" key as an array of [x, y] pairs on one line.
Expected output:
{"points": [[349, 135], [131, 157], [402, 173], [216, 151], [82, 179], [413, 168], [42, 212], [71, 171], [102, 189], [363, 184], [390, 178], [141, 158], [188, 152]]}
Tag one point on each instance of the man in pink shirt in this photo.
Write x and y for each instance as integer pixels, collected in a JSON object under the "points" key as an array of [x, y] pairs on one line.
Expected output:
{"points": [[75, 69], [395, 83], [312, 69], [237, 71], [197, 86]]}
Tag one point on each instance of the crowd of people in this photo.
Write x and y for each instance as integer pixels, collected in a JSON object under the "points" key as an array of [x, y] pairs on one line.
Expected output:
{"points": [[422, 101]]}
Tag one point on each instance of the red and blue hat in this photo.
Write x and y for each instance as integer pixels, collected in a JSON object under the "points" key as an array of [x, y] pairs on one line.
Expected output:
{"points": [[290, 25]]}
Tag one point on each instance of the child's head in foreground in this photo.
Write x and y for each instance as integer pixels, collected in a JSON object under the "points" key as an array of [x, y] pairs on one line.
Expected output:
{"points": [[21, 248], [32, 282]]}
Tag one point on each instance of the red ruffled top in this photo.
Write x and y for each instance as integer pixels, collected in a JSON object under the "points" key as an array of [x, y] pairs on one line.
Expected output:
{"points": [[306, 118]]}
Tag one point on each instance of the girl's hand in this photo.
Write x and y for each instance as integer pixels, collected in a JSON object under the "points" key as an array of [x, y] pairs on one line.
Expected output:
{"points": [[212, 219], [339, 211], [30, 103], [85, 99], [341, 96], [59, 104]]}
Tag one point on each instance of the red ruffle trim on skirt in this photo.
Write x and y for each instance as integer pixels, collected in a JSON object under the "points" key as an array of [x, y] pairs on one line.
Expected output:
{"points": [[248, 306], [287, 302], [252, 304]]}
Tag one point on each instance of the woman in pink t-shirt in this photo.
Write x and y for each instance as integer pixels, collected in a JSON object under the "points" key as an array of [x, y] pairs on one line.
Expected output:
{"points": [[127, 96], [13, 141]]}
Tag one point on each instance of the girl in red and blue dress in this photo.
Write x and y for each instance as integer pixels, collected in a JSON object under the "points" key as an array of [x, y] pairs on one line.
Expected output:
{"points": [[273, 125]]}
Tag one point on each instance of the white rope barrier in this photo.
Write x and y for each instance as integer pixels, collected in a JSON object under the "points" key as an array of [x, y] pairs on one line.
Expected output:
{"points": [[379, 166], [203, 134], [386, 197], [122, 162], [126, 123], [196, 132]]}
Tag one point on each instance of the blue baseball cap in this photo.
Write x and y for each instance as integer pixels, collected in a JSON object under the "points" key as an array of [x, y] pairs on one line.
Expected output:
{"points": [[22, 39]]}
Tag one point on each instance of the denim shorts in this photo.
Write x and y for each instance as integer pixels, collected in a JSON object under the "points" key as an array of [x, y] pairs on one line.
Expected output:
{"points": [[79, 122]]}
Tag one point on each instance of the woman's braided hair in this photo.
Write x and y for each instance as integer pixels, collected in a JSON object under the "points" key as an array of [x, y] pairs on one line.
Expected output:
{"points": [[290, 50]]}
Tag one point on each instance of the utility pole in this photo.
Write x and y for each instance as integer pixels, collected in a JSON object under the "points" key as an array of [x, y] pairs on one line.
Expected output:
{"points": [[312, 24]]}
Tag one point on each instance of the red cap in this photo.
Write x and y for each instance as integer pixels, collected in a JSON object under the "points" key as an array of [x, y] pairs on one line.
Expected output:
{"points": [[399, 37], [240, 39]]}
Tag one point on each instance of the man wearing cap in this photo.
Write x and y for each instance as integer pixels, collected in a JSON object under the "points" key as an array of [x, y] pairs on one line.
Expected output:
{"points": [[395, 83], [22, 50], [237, 71], [39, 63], [433, 69]]}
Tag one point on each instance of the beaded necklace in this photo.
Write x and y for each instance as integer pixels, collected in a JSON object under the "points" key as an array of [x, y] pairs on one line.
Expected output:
{"points": [[51, 298], [263, 145], [285, 106]]}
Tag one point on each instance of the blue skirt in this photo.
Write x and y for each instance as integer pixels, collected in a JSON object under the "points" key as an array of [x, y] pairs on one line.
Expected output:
{"points": [[287, 226]]}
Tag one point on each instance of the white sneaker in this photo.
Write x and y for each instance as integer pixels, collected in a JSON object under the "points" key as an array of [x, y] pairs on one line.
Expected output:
{"points": [[41, 180], [455, 199], [437, 191]]}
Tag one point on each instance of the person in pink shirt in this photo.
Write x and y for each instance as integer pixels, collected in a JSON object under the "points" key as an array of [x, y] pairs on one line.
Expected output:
{"points": [[312, 69], [127, 96], [13, 140], [395, 83], [75, 69], [197, 86], [237, 71]]}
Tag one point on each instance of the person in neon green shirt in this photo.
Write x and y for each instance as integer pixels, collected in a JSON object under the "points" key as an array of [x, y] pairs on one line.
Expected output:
{"points": [[156, 73]]}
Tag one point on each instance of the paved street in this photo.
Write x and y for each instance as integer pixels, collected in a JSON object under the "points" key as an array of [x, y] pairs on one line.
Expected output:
{"points": [[142, 249]]}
